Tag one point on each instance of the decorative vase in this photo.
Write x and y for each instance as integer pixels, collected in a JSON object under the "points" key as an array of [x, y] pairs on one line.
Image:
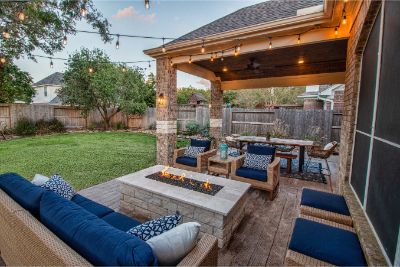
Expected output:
{"points": [[223, 151]]}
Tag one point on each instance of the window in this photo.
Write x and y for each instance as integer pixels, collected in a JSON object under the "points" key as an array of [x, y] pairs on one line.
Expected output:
{"points": [[45, 91]]}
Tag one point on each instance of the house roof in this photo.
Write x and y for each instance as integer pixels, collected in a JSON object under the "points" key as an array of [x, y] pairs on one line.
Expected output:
{"points": [[252, 15], [198, 97], [323, 91], [54, 79], [56, 100]]}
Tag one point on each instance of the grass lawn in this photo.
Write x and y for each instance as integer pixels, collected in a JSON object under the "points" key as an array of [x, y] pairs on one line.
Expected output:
{"points": [[83, 159]]}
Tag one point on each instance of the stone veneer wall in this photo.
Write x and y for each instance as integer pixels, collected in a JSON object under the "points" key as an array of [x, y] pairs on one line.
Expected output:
{"points": [[313, 104], [166, 115], [139, 203], [216, 110]]}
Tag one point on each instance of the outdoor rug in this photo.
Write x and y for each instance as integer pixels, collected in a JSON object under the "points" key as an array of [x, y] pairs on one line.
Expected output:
{"points": [[313, 174]]}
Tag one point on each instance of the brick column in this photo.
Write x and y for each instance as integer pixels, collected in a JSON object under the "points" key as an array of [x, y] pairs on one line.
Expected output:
{"points": [[216, 111], [166, 113]]}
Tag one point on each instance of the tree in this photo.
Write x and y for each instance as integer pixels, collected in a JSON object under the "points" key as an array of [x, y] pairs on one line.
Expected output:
{"points": [[92, 82], [183, 94], [229, 97], [15, 85], [27, 26]]}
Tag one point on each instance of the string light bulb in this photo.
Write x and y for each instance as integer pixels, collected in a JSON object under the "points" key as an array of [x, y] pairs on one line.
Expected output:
{"points": [[344, 20], [336, 31], [203, 49], [51, 63], [224, 69], [123, 69], [171, 63], [6, 34], [298, 39], [222, 55], [236, 53], [90, 70], [212, 58], [190, 59], [65, 40], [21, 16], [83, 10], [2, 59], [147, 4], [117, 43], [270, 43], [238, 48], [149, 64], [163, 45], [301, 61]]}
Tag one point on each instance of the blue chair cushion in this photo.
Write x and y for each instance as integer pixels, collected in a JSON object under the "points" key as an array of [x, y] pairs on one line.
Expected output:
{"points": [[22, 191], [94, 239], [324, 201], [91, 206], [120, 221], [187, 161], [326, 243], [259, 175], [262, 150], [201, 143]]}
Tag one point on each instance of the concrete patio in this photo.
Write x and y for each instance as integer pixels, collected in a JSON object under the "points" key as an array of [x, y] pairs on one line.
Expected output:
{"points": [[262, 237]]}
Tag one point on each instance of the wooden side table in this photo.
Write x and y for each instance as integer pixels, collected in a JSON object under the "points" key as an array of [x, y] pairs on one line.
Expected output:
{"points": [[218, 166]]}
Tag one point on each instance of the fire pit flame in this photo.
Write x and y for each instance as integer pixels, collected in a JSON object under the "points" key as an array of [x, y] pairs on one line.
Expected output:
{"points": [[207, 185]]}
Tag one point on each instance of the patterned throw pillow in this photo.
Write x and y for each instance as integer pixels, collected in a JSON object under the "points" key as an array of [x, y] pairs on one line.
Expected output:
{"points": [[59, 186], [193, 151], [233, 152], [254, 161], [153, 228]]}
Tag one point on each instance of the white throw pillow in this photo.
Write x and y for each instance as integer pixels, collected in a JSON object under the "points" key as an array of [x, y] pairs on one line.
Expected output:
{"points": [[328, 146], [172, 246], [39, 179]]}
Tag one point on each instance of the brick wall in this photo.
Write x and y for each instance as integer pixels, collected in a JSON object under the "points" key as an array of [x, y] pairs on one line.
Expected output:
{"points": [[313, 104], [338, 101]]}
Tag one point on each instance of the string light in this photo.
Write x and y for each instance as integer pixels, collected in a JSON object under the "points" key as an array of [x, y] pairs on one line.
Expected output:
{"points": [[222, 55], [83, 10], [190, 59], [236, 53], [51, 63], [2, 59], [163, 45], [301, 61], [65, 40], [238, 48], [6, 34], [203, 49], [123, 69], [270, 43], [336, 31], [90, 70], [149, 64], [171, 63], [21, 16], [344, 21], [117, 43], [147, 4], [298, 39], [224, 69], [212, 58]]}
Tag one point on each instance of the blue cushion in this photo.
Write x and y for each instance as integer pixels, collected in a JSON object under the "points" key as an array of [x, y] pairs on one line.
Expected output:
{"points": [[120, 221], [187, 161], [260, 175], [91, 206], [324, 201], [326, 243], [22, 191], [94, 239], [262, 150], [201, 143]]}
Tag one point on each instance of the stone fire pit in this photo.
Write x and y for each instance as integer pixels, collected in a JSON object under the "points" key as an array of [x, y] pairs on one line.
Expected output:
{"points": [[218, 214]]}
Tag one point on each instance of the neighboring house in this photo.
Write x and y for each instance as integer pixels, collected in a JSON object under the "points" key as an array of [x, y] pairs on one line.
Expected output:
{"points": [[327, 97], [47, 88], [197, 99]]}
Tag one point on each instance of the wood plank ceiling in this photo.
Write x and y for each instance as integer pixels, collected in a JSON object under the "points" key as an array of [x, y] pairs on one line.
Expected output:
{"points": [[324, 57]]}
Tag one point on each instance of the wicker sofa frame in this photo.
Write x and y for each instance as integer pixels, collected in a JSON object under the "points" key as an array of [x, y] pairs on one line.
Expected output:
{"points": [[25, 241], [202, 160], [327, 215], [273, 174], [294, 258]]}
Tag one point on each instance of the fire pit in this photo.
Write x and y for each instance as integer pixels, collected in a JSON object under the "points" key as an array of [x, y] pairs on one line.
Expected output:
{"points": [[183, 181]]}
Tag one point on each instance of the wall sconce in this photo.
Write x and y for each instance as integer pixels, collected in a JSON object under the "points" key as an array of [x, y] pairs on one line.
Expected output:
{"points": [[161, 100]]}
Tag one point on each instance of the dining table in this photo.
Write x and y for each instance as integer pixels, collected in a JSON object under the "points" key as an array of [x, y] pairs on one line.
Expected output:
{"points": [[302, 144]]}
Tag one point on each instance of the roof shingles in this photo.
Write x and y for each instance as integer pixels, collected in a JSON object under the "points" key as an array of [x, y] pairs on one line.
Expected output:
{"points": [[256, 14], [54, 79]]}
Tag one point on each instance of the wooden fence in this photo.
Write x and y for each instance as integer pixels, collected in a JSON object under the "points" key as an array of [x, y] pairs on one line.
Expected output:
{"points": [[234, 121]]}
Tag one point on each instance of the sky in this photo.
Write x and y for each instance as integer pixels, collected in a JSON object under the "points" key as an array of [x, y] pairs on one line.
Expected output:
{"points": [[163, 19]]}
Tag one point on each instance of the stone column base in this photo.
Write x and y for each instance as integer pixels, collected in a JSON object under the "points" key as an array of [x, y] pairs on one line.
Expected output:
{"points": [[166, 141]]}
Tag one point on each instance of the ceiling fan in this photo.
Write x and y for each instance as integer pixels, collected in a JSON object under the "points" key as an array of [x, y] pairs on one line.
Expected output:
{"points": [[253, 65]]}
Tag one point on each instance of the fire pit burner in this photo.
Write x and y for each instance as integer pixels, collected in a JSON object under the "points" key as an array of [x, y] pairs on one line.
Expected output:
{"points": [[188, 183]]}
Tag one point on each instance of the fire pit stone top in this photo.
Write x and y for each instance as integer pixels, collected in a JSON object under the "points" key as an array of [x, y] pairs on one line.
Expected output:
{"points": [[222, 202]]}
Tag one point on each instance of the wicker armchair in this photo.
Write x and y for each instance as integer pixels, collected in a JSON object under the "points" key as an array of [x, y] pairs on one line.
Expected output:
{"points": [[271, 185], [320, 153]]}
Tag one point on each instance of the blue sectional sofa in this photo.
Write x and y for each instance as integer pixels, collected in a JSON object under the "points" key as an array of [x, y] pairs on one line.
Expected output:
{"points": [[33, 220]]}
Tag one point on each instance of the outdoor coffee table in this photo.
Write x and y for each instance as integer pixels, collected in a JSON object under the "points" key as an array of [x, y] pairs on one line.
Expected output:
{"points": [[219, 214], [216, 165]]}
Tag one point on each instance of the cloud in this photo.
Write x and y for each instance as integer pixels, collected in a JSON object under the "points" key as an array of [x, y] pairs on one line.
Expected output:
{"points": [[204, 83], [131, 12]]}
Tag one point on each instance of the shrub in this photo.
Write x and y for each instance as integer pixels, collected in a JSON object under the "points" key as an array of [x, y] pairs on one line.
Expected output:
{"points": [[120, 126], [56, 126], [51, 126], [42, 127], [192, 128], [152, 126], [25, 127], [280, 129]]}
